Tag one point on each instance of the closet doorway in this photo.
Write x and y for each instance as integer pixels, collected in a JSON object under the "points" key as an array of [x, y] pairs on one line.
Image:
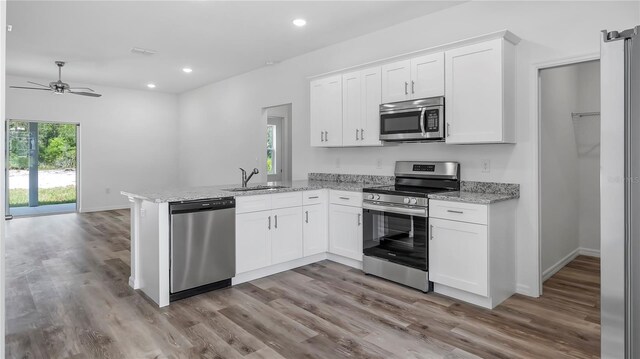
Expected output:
{"points": [[569, 166]]}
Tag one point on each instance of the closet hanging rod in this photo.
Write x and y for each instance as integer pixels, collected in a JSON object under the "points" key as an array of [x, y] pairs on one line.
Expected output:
{"points": [[584, 114]]}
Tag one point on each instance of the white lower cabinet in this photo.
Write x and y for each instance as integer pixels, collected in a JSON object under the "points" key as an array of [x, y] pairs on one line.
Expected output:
{"points": [[314, 229], [345, 231], [458, 255], [472, 251], [253, 241], [286, 235]]}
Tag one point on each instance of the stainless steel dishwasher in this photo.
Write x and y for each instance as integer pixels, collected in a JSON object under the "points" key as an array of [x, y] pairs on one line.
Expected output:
{"points": [[203, 246]]}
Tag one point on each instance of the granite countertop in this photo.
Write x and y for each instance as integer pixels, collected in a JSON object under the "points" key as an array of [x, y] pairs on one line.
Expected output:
{"points": [[209, 192], [471, 192], [473, 197]]}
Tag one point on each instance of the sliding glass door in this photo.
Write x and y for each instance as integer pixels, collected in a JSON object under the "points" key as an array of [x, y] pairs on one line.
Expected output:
{"points": [[41, 168]]}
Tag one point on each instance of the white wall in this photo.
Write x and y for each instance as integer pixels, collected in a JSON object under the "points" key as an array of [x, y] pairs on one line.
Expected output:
{"points": [[587, 132], [227, 114], [127, 138], [559, 194]]}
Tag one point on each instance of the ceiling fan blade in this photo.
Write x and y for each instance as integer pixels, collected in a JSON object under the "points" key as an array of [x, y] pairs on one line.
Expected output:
{"points": [[91, 94], [35, 83], [29, 88], [80, 88]]}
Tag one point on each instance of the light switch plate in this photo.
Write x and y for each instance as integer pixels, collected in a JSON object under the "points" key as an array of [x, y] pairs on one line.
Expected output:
{"points": [[486, 166]]}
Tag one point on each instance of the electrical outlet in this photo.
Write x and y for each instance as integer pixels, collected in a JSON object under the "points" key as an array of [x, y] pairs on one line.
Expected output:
{"points": [[486, 166], [107, 190], [379, 163], [143, 213]]}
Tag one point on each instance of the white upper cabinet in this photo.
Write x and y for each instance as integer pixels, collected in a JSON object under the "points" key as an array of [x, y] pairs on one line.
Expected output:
{"points": [[361, 97], [395, 81], [418, 77], [480, 91], [326, 112], [427, 76]]}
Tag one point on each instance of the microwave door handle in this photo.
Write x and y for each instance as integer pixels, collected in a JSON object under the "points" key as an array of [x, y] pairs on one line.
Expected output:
{"points": [[424, 132]]}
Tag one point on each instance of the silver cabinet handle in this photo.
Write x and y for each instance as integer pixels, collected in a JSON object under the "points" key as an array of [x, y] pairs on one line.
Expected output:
{"points": [[362, 133], [326, 135], [345, 198], [431, 232], [452, 211], [276, 219], [424, 132], [269, 226], [359, 217], [406, 88], [313, 197], [306, 214], [448, 130], [413, 87], [321, 136], [357, 134]]}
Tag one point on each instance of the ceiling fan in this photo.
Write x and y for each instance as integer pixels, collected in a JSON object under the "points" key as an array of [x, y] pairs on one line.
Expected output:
{"points": [[59, 87]]}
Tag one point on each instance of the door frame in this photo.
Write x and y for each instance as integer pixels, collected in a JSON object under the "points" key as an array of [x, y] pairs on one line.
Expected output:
{"points": [[537, 137], [78, 160]]}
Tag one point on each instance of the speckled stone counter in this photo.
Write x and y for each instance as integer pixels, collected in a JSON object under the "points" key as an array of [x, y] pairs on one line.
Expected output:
{"points": [[209, 192], [480, 192]]}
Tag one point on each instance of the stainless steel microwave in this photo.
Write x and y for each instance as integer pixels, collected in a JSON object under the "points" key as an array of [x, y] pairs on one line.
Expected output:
{"points": [[413, 121]]}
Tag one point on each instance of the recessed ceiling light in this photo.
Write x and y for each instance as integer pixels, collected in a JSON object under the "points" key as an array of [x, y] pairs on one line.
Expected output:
{"points": [[299, 22], [187, 70], [151, 86]]}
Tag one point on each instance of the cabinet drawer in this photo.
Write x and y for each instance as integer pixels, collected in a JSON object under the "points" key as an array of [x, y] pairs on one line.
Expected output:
{"points": [[456, 211], [285, 200], [346, 198], [314, 197], [246, 204]]}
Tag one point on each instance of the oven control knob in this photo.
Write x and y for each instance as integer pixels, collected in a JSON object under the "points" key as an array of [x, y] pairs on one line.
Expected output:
{"points": [[370, 196], [406, 200], [413, 201], [377, 197]]}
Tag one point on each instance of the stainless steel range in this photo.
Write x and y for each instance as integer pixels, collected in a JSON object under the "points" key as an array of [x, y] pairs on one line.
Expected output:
{"points": [[396, 221]]}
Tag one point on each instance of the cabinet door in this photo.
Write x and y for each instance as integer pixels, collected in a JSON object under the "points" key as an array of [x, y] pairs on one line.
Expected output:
{"points": [[371, 99], [253, 242], [314, 230], [427, 76], [351, 108], [333, 111], [458, 254], [345, 231], [474, 91], [316, 114], [286, 234], [395, 81]]}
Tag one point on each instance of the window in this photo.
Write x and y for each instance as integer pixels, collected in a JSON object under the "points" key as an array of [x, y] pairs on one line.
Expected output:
{"points": [[272, 139]]}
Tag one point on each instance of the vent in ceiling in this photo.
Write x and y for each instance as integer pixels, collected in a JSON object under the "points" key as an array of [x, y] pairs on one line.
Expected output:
{"points": [[141, 51]]}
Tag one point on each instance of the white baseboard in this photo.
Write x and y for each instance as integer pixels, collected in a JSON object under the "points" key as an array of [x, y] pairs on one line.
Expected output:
{"points": [[589, 252], [526, 290], [276, 268], [560, 264], [103, 208]]}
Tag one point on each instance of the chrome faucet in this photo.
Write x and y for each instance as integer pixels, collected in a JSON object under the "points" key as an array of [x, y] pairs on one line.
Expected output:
{"points": [[246, 179]]}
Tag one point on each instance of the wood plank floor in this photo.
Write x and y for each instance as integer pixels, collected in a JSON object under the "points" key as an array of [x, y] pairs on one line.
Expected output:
{"points": [[67, 297]]}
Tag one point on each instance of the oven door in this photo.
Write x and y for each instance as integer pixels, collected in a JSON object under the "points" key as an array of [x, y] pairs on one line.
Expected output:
{"points": [[397, 234], [416, 124]]}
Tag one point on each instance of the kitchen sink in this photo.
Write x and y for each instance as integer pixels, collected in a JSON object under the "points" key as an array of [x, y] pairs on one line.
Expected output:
{"points": [[254, 188]]}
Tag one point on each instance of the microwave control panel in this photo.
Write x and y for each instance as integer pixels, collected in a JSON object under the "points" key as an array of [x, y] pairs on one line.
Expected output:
{"points": [[432, 119]]}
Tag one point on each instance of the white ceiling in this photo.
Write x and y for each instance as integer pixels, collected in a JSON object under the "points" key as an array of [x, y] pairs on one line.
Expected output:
{"points": [[218, 39]]}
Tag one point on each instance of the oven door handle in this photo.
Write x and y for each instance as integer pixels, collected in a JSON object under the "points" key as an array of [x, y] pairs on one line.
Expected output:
{"points": [[424, 132], [399, 210]]}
